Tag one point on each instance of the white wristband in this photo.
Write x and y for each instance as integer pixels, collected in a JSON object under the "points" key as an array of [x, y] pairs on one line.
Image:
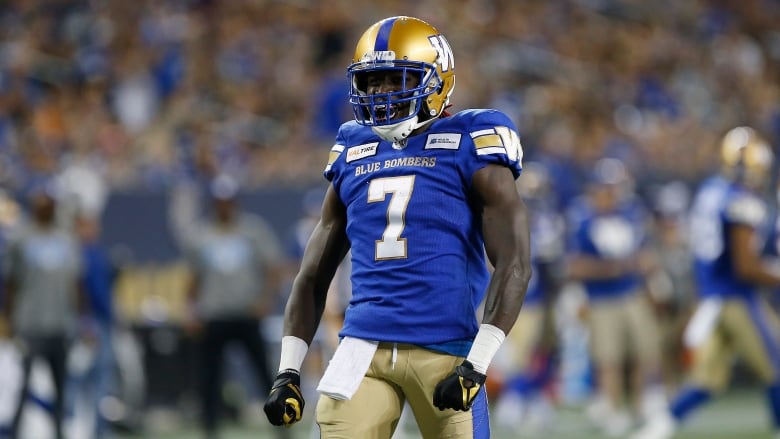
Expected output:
{"points": [[293, 351], [486, 344]]}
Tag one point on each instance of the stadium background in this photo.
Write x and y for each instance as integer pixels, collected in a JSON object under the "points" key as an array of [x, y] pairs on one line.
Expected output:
{"points": [[134, 107]]}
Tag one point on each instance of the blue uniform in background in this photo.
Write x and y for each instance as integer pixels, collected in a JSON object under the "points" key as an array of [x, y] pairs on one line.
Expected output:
{"points": [[417, 251], [719, 205], [615, 235], [733, 317], [609, 229]]}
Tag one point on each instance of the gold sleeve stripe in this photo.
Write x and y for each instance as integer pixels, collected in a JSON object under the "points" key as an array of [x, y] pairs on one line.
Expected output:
{"points": [[334, 153], [487, 141]]}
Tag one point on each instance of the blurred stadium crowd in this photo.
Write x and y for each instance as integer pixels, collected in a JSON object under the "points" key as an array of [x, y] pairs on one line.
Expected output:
{"points": [[110, 98], [158, 91]]}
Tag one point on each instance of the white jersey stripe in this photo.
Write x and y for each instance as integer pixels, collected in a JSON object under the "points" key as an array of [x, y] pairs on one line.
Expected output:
{"points": [[475, 134], [491, 150]]}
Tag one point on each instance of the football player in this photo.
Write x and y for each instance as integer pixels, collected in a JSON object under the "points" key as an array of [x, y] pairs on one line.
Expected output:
{"points": [[419, 196], [732, 318], [610, 256]]}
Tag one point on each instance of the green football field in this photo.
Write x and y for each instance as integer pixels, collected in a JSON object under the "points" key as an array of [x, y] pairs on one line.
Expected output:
{"points": [[736, 415]]}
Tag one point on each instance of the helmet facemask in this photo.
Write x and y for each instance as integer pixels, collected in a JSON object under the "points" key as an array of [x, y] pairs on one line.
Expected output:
{"points": [[393, 115], [402, 47]]}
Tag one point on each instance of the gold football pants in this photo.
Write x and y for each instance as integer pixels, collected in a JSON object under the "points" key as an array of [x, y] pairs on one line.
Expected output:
{"points": [[748, 329], [408, 375]]}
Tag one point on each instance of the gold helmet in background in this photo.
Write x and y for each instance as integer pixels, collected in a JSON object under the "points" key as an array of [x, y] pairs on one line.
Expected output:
{"points": [[410, 46], [746, 157]]}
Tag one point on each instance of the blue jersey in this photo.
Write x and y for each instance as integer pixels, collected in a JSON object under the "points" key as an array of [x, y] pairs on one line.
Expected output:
{"points": [[418, 264], [719, 205], [615, 235]]}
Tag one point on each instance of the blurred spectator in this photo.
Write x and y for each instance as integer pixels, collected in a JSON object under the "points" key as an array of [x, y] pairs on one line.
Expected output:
{"points": [[232, 259], [43, 297], [659, 75]]}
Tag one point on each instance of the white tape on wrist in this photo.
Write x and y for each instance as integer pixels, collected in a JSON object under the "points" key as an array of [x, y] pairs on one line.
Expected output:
{"points": [[486, 344], [293, 351]]}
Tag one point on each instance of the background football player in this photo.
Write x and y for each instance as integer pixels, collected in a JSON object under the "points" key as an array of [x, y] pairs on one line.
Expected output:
{"points": [[610, 256], [728, 224]]}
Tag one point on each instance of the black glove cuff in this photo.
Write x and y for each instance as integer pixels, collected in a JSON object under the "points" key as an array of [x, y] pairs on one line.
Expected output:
{"points": [[466, 370]]}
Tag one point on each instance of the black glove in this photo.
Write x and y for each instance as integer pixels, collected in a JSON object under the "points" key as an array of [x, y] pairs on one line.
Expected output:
{"points": [[284, 405], [458, 390]]}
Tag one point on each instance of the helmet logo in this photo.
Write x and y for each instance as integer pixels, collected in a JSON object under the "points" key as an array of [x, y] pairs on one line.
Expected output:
{"points": [[445, 57], [378, 55]]}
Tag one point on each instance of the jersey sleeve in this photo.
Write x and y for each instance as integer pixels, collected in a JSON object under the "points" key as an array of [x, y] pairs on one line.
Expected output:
{"points": [[746, 209], [333, 165], [493, 140]]}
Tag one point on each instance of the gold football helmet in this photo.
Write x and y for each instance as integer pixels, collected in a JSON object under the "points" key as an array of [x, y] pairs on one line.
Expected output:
{"points": [[746, 157], [409, 46]]}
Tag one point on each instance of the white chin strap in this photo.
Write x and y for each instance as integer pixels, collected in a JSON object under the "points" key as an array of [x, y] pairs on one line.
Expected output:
{"points": [[398, 132]]}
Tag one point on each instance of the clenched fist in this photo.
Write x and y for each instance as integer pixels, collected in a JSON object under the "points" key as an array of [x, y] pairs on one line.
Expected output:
{"points": [[284, 405], [458, 390]]}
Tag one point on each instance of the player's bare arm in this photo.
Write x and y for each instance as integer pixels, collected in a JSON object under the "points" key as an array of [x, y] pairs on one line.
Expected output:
{"points": [[505, 231], [325, 250], [507, 243], [747, 262]]}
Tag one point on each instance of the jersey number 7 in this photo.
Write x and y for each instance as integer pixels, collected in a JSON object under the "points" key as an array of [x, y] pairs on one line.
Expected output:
{"points": [[392, 246]]}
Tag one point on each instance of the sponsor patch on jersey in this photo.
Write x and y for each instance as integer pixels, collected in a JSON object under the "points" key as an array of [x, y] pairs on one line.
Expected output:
{"points": [[443, 141], [361, 151]]}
